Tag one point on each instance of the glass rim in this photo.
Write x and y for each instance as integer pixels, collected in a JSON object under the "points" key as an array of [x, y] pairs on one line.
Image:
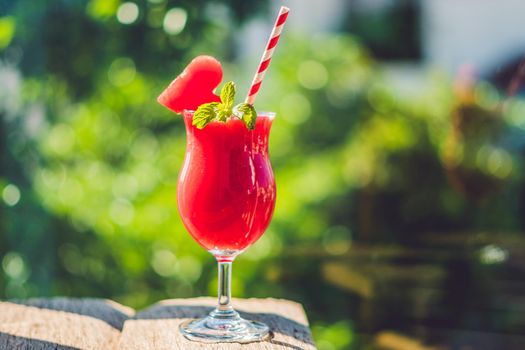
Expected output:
{"points": [[260, 114]]}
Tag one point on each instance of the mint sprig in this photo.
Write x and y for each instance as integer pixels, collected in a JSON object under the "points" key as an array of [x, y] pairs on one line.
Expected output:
{"points": [[224, 110]]}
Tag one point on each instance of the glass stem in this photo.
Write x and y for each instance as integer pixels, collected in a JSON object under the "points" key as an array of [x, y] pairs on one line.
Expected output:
{"points": [[225, 284]]}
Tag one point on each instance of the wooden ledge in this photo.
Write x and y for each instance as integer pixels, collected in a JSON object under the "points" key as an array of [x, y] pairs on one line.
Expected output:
{"points": [[71, 324]]}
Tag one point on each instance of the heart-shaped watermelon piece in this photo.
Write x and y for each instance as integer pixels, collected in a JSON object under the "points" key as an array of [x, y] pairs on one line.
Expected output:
{"points": [[194, 86]]}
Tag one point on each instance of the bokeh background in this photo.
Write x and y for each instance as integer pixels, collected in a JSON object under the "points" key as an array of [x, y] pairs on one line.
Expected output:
{"points": [[398, 152]]}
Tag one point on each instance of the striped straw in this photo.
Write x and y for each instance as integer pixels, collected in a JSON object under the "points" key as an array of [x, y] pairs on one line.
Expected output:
{"points": [[267, 56]]}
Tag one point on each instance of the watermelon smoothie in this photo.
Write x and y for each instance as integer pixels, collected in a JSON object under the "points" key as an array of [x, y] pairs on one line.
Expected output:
{"points": [[226, 189]]}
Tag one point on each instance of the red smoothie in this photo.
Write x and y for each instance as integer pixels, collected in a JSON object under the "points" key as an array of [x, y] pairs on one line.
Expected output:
{"points": [[226, 190]]}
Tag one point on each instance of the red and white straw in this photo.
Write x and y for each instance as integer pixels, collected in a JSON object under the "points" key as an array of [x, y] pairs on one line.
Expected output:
{"points": [[267, 56]]}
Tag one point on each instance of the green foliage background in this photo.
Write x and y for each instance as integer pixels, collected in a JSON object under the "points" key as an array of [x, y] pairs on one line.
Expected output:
{"points": [[95, 159]]}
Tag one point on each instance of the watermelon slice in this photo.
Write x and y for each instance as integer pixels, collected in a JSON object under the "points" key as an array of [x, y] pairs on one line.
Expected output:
{"points": [[194, 86]]}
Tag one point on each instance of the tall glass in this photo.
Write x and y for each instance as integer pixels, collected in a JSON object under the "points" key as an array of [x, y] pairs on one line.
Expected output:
{"points": [[226, 197]]}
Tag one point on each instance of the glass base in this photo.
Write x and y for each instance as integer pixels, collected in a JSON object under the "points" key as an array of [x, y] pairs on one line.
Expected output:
{"points": [[224, 326]]}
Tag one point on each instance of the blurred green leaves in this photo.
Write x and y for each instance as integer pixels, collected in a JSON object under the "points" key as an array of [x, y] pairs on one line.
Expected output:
{"points": [[88, 192], [339, 335], [7, 31], [102, 9]]}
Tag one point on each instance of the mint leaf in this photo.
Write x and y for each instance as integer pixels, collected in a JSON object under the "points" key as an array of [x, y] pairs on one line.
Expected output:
{"points": [[224, 114], [208, 112], [228, 95], [246, 112], [205, 114]]}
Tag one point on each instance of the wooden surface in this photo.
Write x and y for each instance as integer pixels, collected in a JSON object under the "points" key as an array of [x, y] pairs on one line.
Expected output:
{"points": [[71, 324]]}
